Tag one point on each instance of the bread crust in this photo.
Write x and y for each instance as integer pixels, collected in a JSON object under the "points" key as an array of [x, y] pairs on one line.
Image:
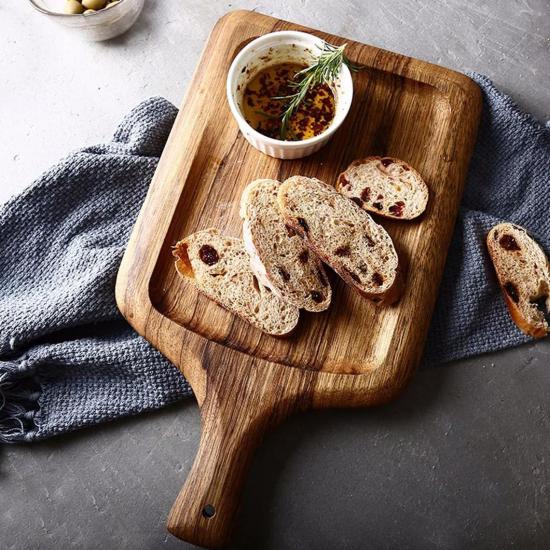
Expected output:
{"points": [[183, 264], [522, 323]]}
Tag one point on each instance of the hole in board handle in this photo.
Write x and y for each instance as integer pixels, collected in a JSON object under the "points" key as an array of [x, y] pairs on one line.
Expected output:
{"points": [[209, 511]]}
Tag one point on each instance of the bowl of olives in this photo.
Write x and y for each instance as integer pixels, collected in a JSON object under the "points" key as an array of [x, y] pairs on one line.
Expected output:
{"points": [[94, 20]]}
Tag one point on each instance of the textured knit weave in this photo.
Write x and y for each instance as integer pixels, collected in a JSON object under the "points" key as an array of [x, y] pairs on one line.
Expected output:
{"points": [[68, 360]]}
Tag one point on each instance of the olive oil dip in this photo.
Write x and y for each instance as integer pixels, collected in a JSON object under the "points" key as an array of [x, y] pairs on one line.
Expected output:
{"points": [[264, 104]]}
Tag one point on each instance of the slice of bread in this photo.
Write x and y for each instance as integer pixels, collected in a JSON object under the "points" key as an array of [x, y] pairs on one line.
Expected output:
{"points": [[385, 186], [343, 236], [523, 273], [278, 256], [219, 267]]}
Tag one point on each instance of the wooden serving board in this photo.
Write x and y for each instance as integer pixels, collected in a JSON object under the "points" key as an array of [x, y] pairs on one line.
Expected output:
{"points": [[354, 354]]}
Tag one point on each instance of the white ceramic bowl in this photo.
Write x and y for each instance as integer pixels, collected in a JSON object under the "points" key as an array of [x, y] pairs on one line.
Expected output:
{"points": [[280, 47], [101, 25]]}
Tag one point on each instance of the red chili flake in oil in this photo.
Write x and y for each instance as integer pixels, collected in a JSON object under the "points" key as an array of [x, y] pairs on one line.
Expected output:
{"points": [[264, 113]]}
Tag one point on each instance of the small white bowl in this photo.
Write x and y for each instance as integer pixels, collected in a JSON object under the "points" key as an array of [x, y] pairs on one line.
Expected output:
{"points": [[275, 48], [94, 27]]}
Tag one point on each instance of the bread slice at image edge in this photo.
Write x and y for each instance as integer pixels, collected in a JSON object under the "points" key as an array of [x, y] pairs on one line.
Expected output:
{"points": [[385, 186], [344, 236], [219, 267], [279, 257], [523, 274]]}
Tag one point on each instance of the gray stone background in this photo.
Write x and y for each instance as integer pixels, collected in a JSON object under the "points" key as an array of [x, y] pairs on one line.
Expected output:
{"points": [[461, 460]]}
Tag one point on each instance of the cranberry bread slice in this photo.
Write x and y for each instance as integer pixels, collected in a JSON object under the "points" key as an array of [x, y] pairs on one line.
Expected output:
{"points": [[523, 273], [278, 256], [219, 267], [343, 236], [385, 186]]}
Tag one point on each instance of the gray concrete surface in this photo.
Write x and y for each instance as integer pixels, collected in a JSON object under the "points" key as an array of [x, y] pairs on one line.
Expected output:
{"points": [[462, 460]]}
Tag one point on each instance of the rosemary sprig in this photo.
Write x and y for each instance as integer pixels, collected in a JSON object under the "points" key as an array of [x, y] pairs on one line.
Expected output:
{"points": [[325, 69]]}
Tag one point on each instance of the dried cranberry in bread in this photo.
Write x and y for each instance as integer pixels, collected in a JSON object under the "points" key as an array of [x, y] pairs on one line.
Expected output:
{"points": [[278, 256], [219, 267], [343, 236], [385, 186], [523, 273]]}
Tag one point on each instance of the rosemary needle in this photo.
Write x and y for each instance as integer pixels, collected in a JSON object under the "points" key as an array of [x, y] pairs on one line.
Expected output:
{"points": [[325, 69]]}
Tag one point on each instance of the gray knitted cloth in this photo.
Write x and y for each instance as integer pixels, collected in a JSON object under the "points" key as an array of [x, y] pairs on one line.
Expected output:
{"points": [[67, 358]]}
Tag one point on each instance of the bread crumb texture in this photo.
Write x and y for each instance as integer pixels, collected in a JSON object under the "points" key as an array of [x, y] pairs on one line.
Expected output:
{"points": [[221, 268]]}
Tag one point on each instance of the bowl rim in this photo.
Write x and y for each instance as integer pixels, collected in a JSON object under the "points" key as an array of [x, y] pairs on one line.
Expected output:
{"points": [[235, 111], [60, 14]]}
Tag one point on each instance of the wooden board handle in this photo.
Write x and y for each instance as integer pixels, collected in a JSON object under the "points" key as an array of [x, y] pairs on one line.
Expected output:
{"points": [[205, 509], [235, 416]]}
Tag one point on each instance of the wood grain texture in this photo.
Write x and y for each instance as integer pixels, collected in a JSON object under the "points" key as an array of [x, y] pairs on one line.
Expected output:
{"points": [[352, 355]]}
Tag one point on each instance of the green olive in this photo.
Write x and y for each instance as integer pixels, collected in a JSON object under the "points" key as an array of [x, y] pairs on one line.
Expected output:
{"points": [[94, 4], [72, 7], [90, 11]]}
